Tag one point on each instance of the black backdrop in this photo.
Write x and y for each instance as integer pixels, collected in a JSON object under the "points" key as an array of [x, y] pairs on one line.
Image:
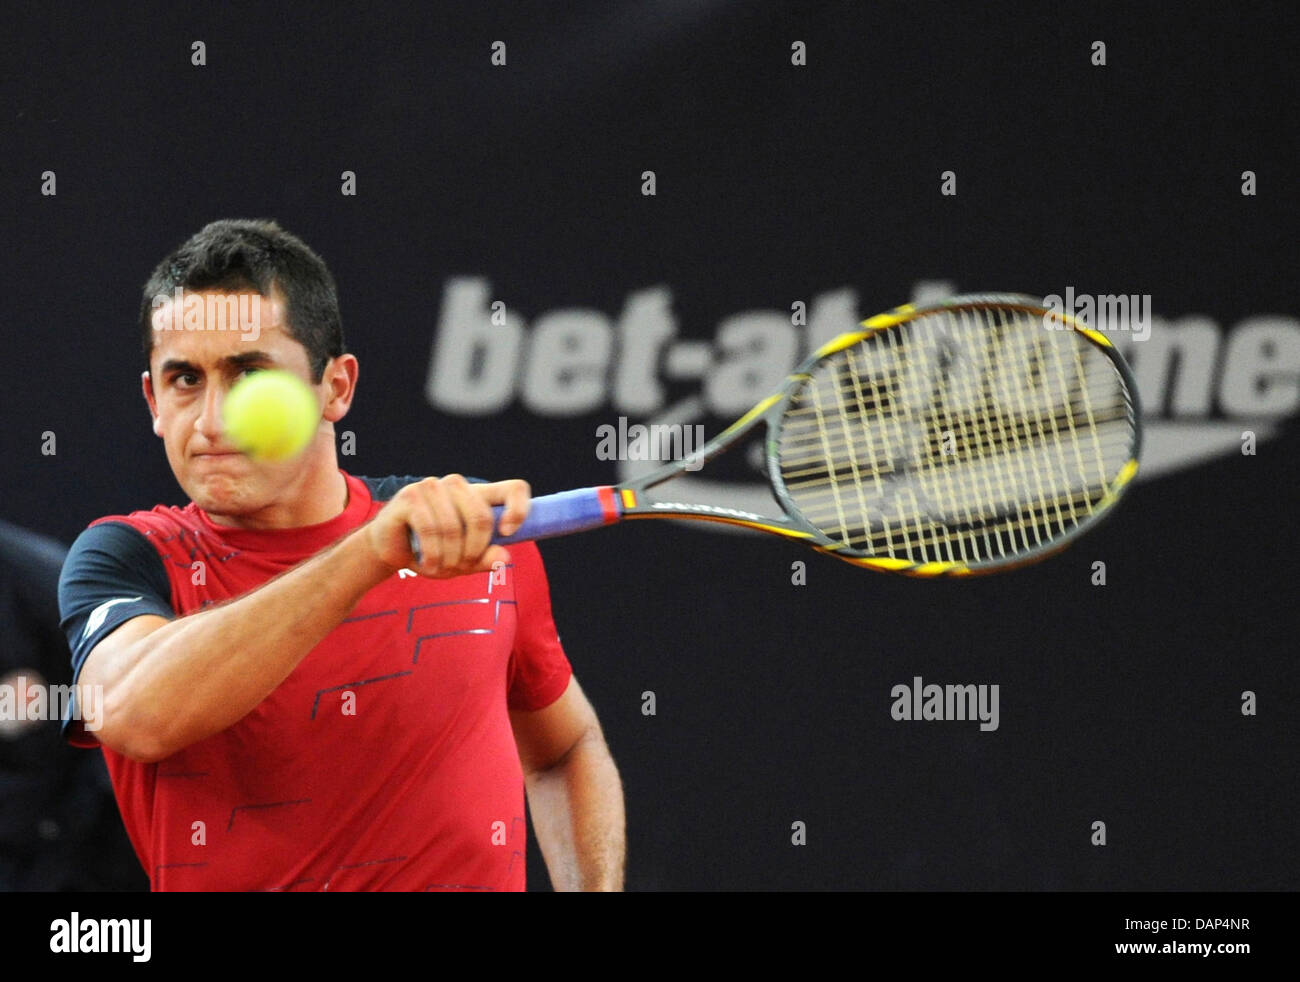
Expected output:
{"points": [[775, 183]]}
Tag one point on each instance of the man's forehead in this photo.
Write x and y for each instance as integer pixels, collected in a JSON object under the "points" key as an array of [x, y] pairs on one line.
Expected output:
{"points": [[219, 344], [203, 327]]}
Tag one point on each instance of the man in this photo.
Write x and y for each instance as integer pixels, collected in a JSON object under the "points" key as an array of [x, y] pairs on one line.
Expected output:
{"points": [[285, 706], [59, 829]]}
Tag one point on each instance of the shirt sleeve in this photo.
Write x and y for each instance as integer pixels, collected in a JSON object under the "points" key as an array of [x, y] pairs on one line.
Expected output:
{"points": [[539, 669], [112, 574]]}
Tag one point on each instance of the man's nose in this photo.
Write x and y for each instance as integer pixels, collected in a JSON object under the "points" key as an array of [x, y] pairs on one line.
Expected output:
{"points": [[209, 422]]}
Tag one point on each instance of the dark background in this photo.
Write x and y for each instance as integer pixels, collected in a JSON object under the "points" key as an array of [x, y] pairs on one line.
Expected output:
{"points": [[775, 183]]}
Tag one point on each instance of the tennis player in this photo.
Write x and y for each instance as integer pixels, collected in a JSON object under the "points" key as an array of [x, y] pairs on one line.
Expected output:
{"points": [[290, 701]]}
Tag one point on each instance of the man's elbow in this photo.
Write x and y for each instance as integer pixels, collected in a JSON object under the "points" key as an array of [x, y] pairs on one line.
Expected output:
{"points": [[146, 750], [587, 749], [141, 748], [132, 735]]}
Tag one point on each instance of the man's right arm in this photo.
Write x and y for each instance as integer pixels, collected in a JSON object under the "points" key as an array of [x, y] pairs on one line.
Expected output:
{"points": [[169, 683]]}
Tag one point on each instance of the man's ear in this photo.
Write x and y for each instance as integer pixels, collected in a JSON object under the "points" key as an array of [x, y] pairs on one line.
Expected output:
{"points": [[146, 383], [340, 385]]}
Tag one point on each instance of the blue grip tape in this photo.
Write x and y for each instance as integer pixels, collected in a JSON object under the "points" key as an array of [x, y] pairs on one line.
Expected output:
{"points": [[557, 514]]}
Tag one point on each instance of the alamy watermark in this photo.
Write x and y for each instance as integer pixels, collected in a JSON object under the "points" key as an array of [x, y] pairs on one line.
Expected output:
{"points": [[102, 935], [920, 701], [1108, 313], [24, 701], [658, 441], [189, 310]]}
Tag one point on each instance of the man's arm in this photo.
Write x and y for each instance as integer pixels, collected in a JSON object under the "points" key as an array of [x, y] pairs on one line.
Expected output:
{"points": [[169, 683], [574, 793]]}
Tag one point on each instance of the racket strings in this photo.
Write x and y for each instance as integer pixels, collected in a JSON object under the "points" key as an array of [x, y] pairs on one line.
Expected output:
{"points": [[965, 435]]}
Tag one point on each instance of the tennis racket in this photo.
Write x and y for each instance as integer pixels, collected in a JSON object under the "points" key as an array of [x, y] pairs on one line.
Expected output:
{"points": [[968, 436]]}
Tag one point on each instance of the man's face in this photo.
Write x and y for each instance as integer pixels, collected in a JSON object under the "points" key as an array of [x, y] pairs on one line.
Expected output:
{"points": [[199, 352]]}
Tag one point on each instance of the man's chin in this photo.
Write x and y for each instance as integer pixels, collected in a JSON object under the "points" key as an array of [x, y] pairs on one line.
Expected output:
{"points": [[222, 496]]}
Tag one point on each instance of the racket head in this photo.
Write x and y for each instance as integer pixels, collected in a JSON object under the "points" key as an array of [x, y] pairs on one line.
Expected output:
{"points": [[969, 436]]}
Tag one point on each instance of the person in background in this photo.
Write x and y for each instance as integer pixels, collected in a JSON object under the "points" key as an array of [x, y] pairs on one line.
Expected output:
{"points": [[59, 825]]}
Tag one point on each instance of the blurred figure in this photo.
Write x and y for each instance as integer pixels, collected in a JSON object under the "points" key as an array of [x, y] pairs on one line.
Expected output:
{"points": [[59, 825]]}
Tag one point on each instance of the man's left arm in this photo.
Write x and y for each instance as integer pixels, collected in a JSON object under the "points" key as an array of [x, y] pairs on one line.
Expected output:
{"points": [[574, 793]]}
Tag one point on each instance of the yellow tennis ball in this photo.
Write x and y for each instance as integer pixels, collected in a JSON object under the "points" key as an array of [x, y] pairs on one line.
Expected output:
{"points": [[271, 415]]}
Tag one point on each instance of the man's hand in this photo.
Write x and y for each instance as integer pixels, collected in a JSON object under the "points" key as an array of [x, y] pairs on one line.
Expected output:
{"points": [[452, 520]]}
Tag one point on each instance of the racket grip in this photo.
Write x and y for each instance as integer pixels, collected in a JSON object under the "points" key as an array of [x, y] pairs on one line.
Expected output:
{"points": [[557, 514]]}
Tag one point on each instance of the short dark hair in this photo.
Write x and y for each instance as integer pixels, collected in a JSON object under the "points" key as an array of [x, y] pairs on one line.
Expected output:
{"points": [[245, 253]]}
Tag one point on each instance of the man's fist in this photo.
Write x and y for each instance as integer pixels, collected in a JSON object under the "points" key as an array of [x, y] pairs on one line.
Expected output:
{"points": [[453, 523]]}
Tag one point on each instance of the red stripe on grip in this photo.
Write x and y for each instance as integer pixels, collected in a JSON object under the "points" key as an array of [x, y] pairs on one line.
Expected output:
{"points": [[608, 506]]}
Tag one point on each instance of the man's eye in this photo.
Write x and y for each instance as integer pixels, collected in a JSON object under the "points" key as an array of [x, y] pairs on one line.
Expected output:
{"points": [[185, 380]]}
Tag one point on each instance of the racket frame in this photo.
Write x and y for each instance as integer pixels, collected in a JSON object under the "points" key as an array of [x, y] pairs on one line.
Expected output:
{"points": [[633, 503]]}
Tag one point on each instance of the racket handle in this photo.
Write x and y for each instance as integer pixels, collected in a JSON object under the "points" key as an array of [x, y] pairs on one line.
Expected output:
{"points": [[557, 514]]}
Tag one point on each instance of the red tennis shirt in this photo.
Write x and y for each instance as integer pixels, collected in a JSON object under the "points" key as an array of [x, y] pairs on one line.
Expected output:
{"points": [[385, 761]]}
